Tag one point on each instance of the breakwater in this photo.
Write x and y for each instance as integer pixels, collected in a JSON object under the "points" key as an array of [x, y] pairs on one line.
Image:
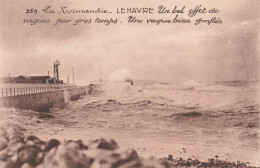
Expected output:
{"points": [[42, 102]]}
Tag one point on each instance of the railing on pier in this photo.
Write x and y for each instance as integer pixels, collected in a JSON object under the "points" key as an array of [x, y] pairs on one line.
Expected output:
{"points": [[6, 92]]}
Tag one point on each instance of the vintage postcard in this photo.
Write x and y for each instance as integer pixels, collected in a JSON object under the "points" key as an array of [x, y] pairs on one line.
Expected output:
{"points": [[129, 83]]}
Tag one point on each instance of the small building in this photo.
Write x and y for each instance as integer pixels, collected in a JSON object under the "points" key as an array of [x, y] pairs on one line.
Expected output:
{"points": [[21, 79], [25, 79], [40, 79]]}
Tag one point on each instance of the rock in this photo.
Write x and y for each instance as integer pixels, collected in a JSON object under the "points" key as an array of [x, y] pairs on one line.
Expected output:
{"points": [[112, 145], [28, 154], [14, 134], [12, 162], [51, 144], [128, 159], [32, 138], [112, 159], [104, 144], [26, 165], [75, 145], [170, 158], [67, 155], [3, 142], [153, 163], [39, 158], [196, 162], [31, 152], [3, 139]]}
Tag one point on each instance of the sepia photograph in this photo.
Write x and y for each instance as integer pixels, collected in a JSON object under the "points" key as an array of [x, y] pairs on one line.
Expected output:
{"points": [[129, 84]]}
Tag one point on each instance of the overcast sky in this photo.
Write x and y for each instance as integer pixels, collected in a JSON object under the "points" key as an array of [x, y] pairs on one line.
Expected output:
{"points": [[167, 52]]}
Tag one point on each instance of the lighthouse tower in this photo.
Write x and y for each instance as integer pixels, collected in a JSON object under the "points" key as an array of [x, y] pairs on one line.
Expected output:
{"points": [[56, 71]]}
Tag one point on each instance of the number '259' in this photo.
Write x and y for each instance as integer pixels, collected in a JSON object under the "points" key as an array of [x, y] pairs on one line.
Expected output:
{"points": [[33, 11]]}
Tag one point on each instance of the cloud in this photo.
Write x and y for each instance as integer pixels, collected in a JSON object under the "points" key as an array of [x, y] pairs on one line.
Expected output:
{"points": [[161, 52]]}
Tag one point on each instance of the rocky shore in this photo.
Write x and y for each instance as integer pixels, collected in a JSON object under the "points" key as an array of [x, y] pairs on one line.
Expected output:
{"points": [[28, 151]]}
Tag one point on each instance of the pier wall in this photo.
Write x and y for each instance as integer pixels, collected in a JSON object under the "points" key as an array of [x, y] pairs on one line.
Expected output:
{"points": [[74, 94], [42, 102]]}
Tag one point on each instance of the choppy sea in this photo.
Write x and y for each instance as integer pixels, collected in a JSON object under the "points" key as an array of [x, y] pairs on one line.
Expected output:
{"points": [[192, 119]]}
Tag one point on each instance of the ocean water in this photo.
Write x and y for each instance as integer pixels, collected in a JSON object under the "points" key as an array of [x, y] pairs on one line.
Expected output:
{"points": [[197, 120]]}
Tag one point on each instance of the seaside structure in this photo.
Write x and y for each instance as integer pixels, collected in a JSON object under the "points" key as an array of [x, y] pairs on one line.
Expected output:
{"points": [[35, 79], [56, 71], [6, 79], [30, 79]]}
